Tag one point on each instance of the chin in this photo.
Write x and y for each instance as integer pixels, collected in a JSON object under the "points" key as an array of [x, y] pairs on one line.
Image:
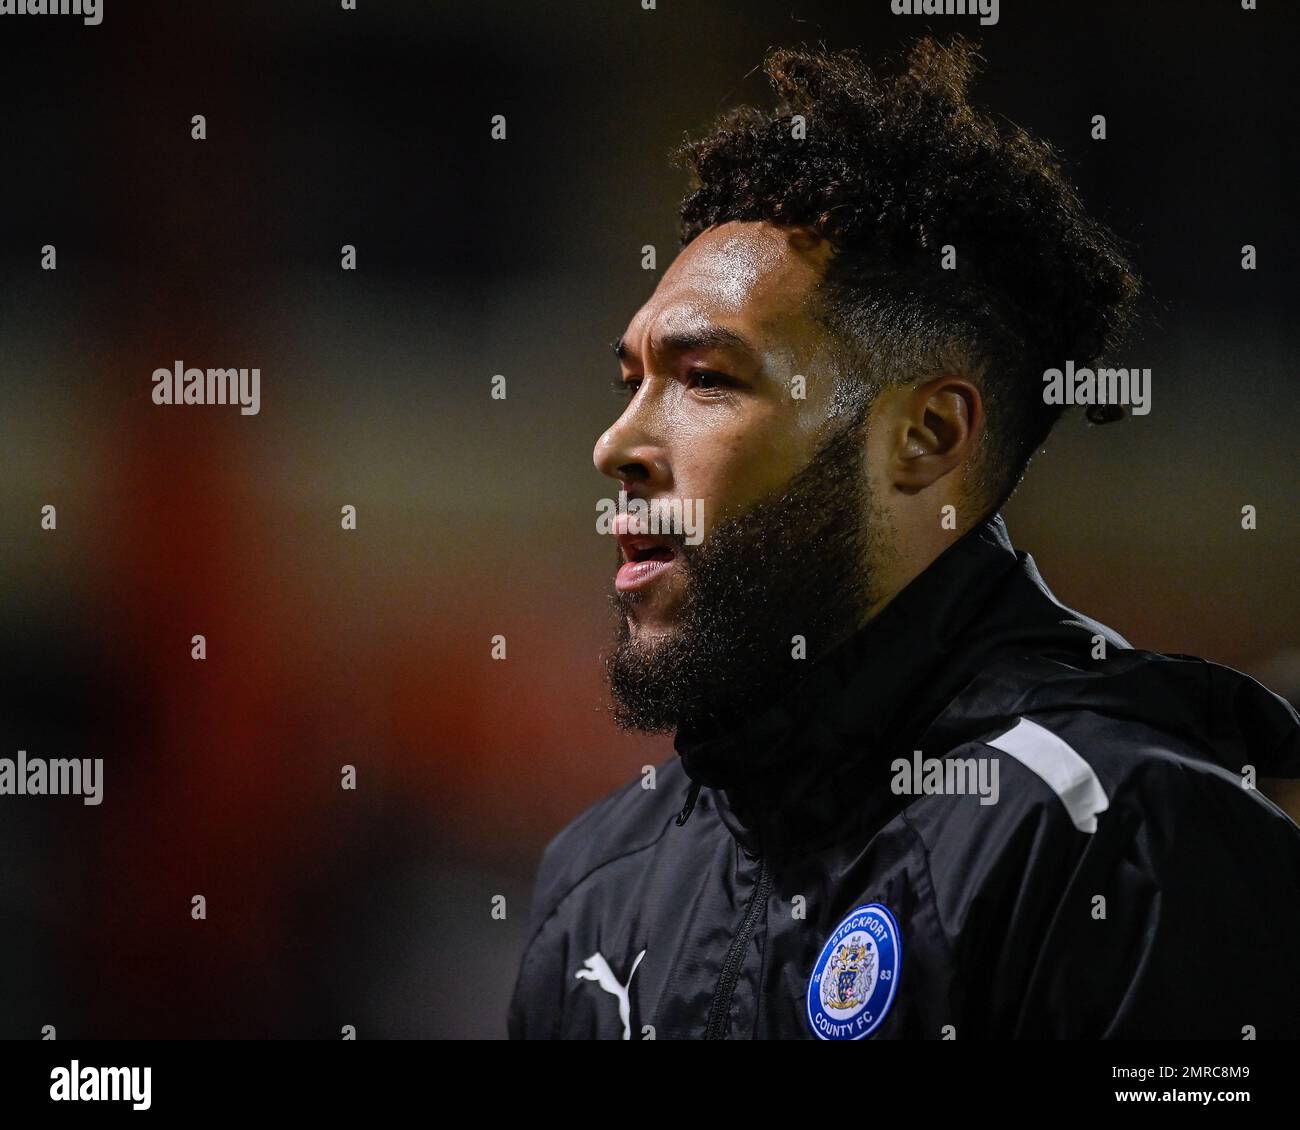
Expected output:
{"points": [[650, 631]]}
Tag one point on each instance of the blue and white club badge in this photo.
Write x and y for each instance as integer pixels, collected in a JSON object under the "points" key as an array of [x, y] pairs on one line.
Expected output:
{"points": [[853, 983]]}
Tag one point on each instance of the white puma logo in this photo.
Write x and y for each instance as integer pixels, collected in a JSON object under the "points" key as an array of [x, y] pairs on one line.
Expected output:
{"points": [[597, 969]]}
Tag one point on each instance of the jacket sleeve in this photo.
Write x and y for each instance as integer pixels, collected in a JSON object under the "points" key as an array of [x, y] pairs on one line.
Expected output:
{"points": [[1179, 917]]}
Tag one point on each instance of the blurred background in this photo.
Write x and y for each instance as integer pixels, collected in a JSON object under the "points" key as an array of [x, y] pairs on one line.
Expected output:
{"points": [[476, 516]]}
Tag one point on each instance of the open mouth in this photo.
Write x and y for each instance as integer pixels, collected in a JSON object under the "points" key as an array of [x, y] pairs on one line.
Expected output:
{"points": [[644, 558]]}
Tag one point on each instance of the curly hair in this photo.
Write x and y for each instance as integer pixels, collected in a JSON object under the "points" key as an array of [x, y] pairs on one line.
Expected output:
{"points": [[890, 171]]}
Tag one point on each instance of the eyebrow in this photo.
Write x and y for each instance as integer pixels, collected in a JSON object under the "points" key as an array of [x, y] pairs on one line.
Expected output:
{"points": [[708, 337]]}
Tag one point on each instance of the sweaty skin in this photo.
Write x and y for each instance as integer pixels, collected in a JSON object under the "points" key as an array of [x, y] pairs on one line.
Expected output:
{"points": [[711, 414]]}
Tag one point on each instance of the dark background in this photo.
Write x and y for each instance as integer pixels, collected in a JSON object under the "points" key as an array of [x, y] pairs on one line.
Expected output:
{"points": [[476, 516]]}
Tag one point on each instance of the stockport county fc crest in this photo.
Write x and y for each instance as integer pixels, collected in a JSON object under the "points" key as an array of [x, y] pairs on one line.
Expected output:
{"points": [[853, 982], [850, 975]]}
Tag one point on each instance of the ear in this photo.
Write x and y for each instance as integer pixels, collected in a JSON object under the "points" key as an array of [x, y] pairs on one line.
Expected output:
{"points": [[937, 427]]}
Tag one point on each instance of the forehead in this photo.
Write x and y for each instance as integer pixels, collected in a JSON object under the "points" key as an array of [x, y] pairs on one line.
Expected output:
{"points": [[754, 276]]}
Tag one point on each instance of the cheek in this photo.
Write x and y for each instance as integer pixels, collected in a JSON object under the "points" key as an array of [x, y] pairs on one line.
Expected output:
{"points": [[733, 465]]}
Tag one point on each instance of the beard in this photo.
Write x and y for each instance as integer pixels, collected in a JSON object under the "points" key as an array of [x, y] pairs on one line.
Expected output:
{"points": [[794, 564]]}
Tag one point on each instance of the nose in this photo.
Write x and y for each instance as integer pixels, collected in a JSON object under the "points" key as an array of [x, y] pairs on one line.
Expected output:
{"points": [[627, 451]]}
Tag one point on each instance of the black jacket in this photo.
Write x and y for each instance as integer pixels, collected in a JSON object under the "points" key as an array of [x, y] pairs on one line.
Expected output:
{"points": [[1125, 883]]}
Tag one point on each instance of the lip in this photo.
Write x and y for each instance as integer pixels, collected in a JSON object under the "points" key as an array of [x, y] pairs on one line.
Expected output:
{"points": [[644, 559], [637, 574]]}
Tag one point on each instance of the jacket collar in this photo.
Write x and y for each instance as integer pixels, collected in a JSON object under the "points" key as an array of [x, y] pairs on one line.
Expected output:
{"points": [[791, 774]]}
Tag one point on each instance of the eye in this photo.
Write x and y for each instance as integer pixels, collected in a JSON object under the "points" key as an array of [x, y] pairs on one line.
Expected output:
{"points": [[707, 380], [626, 387]]}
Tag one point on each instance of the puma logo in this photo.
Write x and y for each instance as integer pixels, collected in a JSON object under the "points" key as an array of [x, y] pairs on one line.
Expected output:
{"points": [[597, 969]]}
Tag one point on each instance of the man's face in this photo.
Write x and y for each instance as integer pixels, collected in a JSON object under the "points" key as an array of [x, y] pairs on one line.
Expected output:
{"points": [[711, 363]]}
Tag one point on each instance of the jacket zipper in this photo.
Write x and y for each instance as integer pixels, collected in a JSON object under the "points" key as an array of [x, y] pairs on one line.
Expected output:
{"points": [[720, 1009]]}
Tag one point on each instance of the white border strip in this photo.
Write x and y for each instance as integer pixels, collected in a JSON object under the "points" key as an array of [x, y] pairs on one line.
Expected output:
{"points": [[1070, 777]]}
